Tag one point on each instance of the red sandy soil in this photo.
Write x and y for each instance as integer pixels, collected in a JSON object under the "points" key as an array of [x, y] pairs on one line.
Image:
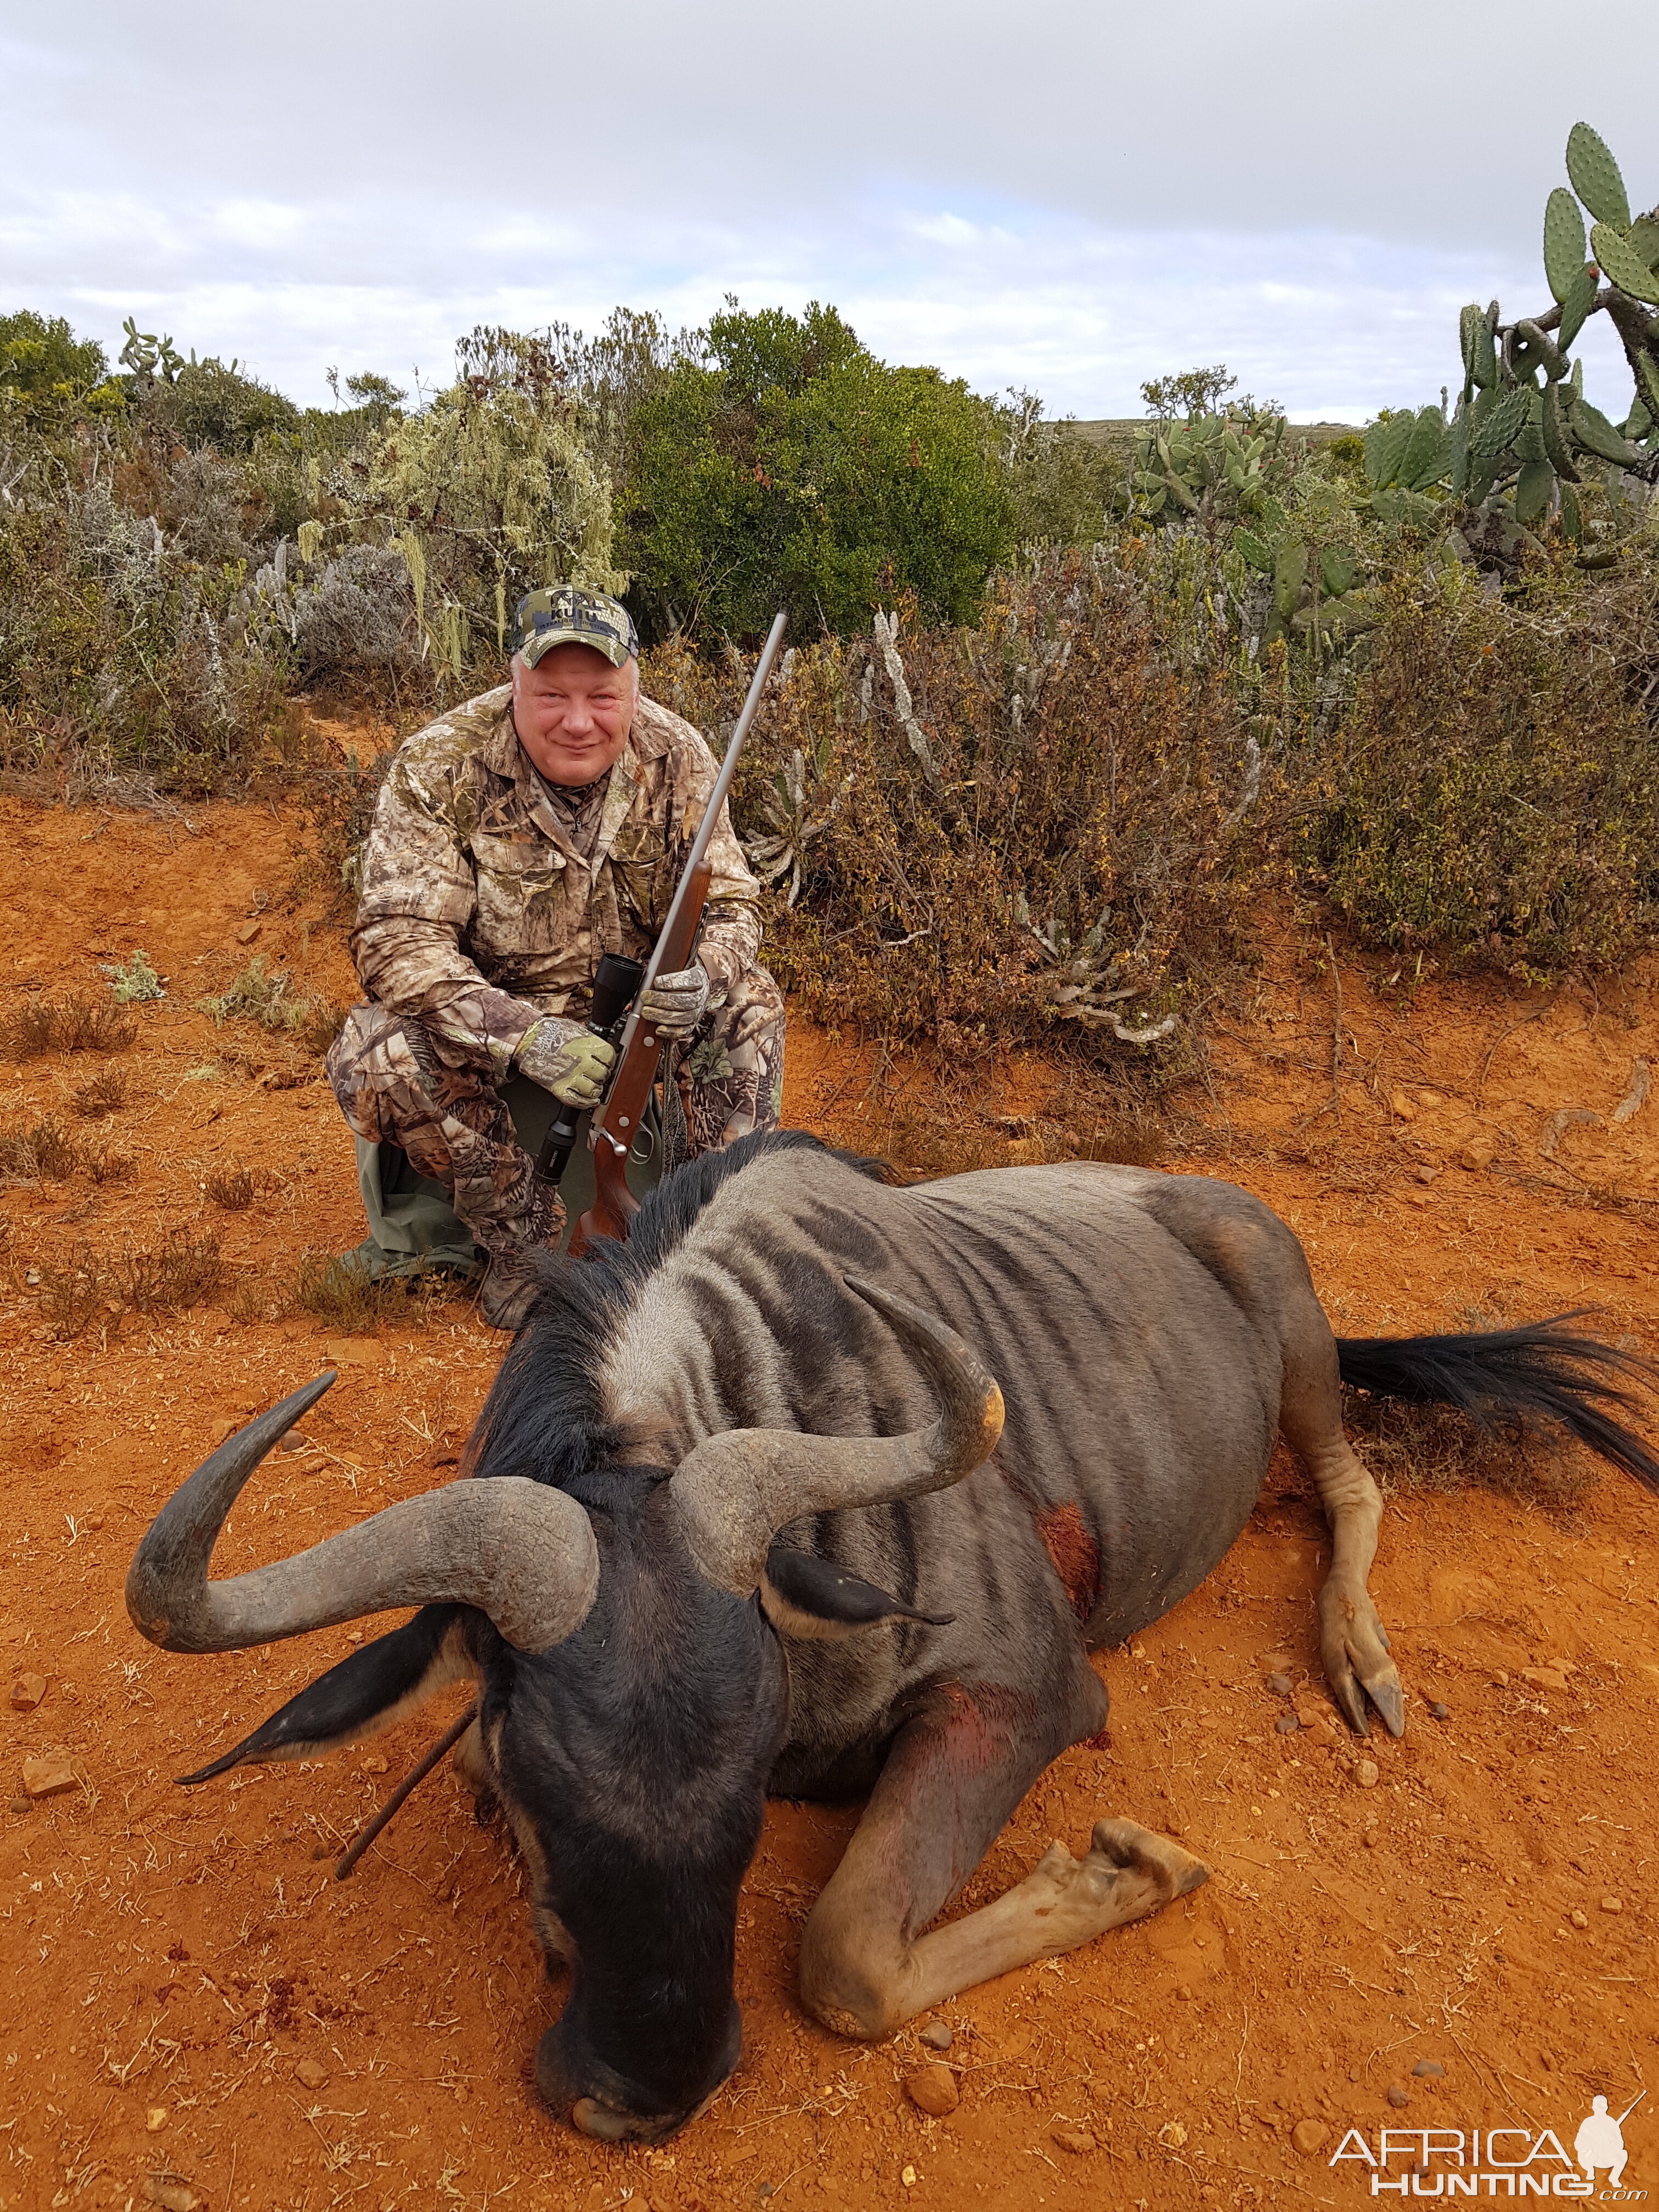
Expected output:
{"points": [[1476, 1896]]}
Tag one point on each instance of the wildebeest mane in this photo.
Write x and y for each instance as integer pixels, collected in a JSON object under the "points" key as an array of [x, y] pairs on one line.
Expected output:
{"points": [[545, 1416]]}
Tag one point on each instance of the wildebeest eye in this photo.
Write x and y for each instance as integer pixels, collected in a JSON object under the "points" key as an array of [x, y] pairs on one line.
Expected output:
{"points": [[806, 1596]]}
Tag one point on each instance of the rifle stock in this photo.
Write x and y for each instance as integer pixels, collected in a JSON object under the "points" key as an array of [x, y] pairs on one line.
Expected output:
{"points": [[615, 1129]]}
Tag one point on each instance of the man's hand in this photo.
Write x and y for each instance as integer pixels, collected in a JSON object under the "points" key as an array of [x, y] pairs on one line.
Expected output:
{"points": [[676, 1004], [573, 1066]]}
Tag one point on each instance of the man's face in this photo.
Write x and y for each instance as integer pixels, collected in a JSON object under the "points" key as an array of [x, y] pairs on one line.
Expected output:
{"points": [[573, 712]]}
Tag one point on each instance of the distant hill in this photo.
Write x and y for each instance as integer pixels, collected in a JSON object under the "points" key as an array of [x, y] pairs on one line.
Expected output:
{"points": [[1120, 431]]}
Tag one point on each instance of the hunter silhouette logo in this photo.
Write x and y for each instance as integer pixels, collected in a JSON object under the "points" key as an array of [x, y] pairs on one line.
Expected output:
{"points": [[1599, 2142], [1510, 2161]]}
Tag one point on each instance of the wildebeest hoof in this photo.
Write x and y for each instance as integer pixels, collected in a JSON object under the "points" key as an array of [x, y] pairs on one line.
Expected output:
{"points": [[1128, 1873], [1355, 1652], [1131, 1849], [606, 2124]]}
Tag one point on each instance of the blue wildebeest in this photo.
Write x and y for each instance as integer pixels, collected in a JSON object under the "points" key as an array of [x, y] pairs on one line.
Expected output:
{"points": [[747, 1512]]}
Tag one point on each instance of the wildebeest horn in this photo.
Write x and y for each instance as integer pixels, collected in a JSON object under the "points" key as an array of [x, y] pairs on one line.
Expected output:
{"points": [[520, 1552], [735, 1490]]}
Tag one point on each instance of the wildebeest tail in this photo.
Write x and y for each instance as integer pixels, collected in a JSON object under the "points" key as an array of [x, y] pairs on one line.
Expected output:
{"points": [[1546, 1371]]}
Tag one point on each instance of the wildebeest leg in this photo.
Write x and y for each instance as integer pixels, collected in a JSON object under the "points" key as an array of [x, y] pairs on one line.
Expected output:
{"points": [[952, 1779], [1353, 1642]]}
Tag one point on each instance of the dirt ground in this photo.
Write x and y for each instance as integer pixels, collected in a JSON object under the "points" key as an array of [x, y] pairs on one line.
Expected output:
{"points": [[193, 2011]]}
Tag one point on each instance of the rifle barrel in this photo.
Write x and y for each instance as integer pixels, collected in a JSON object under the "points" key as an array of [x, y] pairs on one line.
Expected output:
{"points": [[699, 846]]}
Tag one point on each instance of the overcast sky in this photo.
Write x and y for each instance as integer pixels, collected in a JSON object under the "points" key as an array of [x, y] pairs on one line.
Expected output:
{"points": [[1072, 195]]}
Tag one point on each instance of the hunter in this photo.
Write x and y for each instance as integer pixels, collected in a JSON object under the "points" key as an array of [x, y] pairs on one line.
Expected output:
{"points": [[514, 841]]}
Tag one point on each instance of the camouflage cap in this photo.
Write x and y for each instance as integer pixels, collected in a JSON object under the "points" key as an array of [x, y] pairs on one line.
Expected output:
{"points": [[563, 614]]}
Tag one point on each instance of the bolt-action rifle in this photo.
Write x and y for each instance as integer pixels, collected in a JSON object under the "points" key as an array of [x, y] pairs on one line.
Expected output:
{"points": [[619, 985]]}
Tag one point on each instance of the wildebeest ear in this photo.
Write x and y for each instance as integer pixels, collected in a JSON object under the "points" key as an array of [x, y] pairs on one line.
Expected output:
{"points": [[804, 1596], [364, 1694]]}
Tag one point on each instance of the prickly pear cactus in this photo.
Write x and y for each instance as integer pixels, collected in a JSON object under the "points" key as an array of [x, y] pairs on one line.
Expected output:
{"points": [[1208, 470], [1522, 435]]}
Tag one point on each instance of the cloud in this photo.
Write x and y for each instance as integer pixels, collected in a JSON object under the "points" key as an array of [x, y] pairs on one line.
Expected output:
{"points": [[1075, 198]]}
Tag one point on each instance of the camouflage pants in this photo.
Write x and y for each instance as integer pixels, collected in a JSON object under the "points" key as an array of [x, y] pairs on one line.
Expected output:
{"points": [[398, 1084]]}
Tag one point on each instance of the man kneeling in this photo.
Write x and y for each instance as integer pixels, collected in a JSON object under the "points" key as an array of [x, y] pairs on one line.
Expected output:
{"points": [[514, 841]]}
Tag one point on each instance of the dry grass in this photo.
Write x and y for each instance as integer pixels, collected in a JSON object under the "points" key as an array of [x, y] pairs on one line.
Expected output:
{"points": [[341, 1296], [322, 1022], [101, 1095], [44, 1153], [73, 1295], [231, 1187], [78, 1023], [1435, 1448], [184, 1272], [107, 1166]]}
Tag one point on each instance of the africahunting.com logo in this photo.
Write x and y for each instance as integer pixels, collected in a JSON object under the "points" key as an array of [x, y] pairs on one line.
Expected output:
{"points": [[1449, 2162]]}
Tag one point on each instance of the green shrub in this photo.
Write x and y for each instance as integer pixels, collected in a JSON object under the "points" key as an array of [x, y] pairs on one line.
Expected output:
{"points": [[791, 468], [45, 371]]}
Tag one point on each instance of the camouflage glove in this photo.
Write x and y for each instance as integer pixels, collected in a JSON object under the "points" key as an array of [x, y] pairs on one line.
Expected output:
{"points": [[570, 1062], [677, 1003]]}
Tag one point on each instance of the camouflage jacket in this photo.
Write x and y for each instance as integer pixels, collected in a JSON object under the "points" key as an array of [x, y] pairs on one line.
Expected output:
{"points": [[479, 915]]}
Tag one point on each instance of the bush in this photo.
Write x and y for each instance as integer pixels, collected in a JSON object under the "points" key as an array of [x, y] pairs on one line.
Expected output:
{"points": [[1493, 792], [45, 371], [792, 468], [357, 622], [1040, 825], [493, 491]]}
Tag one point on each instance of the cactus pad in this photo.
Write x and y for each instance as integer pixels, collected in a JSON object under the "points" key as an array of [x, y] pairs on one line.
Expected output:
{"points": [[1594, 434], [1575, 309], [1621, 264], [1336, 571], [1564, 242], [1557, 445], [1595, 177], [1508, 417], [1534, 492]]}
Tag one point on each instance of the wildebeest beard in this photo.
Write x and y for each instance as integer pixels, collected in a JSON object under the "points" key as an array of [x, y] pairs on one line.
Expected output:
{"points": [[635, 1759]]}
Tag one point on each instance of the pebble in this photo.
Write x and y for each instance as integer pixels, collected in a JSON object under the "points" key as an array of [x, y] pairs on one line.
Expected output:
{"points": [[1279, 1685], [1365, 1773], [1309, 2135], [155, 2119], [1476, 1152], [1437, 1712], [17, 1804], [908, 2176], [1286, 1723], [1078, 2140], [374, 1764], [1402, 1105], [1544, 1678], [1427, 2069], [936, 2035], [932, 2089], [1578, 1919], [1399, 2098], [48, 1774], [310, 2074], [26, 1693], [1613, 1904], [293, 1442]]}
